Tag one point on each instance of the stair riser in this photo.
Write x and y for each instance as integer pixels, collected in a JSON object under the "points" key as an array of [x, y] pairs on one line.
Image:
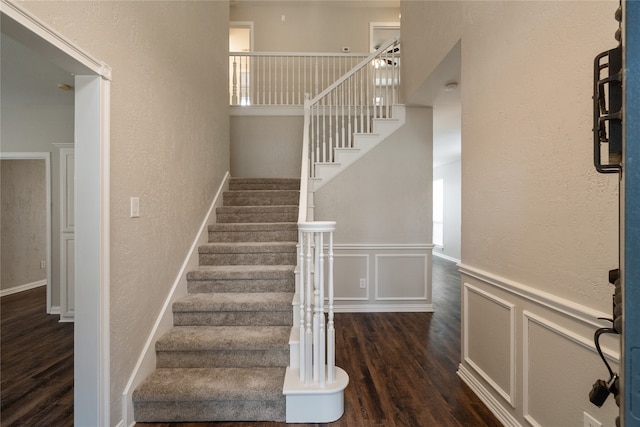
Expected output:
{"points": [[185, 411], [251, 217], [277, 258], [226, 286], [239, 184], [233, 318], [222, 359], [253, 236], [251, 199]]}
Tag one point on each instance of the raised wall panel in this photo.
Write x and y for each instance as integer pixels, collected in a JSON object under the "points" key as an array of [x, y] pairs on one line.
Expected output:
{"points": [[397, 277], [401, 277], [552, 354], [348, 270], [489, 339]]}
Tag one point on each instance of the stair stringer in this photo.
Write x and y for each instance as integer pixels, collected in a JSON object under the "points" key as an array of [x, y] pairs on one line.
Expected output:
{"points": [[362, 144]]}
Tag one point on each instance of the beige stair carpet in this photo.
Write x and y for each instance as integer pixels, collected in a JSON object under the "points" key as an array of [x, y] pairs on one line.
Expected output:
{"points": [[225, 357]]}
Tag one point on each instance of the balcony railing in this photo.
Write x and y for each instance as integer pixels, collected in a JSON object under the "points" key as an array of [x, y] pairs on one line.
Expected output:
{"points": [[283, 79]]}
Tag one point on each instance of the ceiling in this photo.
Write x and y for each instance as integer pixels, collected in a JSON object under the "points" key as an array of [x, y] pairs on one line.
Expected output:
{"points": [[27, 77]]}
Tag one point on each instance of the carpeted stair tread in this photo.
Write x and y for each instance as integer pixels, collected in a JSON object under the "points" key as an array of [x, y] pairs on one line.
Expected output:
{"points": [[246, 247], [260, 197], [241, 278], [225, 338], [270, 301], [253, 231], [264, 184], [279, 213], [238, 272], [211, 384], [254, 226]]}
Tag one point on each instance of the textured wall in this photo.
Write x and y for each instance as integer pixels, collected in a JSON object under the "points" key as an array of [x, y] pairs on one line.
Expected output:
{"points": [[534, 209], [266, 146], [23, 222], [169, 144], [312, 26], [385, 197]]}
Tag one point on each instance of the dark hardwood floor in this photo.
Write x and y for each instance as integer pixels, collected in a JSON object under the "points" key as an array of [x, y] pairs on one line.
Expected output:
{"points": [[402, 367], [36, 363]]}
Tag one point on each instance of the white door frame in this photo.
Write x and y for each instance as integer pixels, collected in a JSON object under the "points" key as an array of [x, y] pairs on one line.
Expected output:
{"points": [[92, 102], [46, 156]]}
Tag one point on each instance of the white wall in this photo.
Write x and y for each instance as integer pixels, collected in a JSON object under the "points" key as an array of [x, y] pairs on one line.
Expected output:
{"points": [[382, 205], [169, 145], [539, 225], [450, 174]]}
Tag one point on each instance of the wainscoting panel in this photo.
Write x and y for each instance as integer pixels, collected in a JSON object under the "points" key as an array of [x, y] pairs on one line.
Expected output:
{"points": [[489, 339], [401, 277], [529, 355], [351, 269], [551, 355], [397, 277]]}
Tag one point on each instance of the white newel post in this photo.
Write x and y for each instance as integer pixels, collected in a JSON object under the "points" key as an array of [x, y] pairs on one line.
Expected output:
{"points": [[317, 336]]}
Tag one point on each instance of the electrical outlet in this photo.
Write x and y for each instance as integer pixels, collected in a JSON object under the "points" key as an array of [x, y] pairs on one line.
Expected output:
{"points": [[363, 283], [43, 264], [589, 421]]}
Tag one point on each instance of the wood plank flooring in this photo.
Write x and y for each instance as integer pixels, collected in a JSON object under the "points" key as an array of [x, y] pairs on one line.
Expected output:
{"points": [[36, 363], [402, 366]]}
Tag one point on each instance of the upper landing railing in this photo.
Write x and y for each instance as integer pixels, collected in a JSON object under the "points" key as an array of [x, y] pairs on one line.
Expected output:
{"points": [[283, 79]]}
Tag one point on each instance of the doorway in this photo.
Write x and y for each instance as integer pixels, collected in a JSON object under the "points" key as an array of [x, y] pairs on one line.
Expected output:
{"points": [[240, 41], [91, 132]]}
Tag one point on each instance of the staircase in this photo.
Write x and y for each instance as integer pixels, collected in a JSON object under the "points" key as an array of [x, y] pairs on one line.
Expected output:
{"points": [[226, 356], [361, 144]]}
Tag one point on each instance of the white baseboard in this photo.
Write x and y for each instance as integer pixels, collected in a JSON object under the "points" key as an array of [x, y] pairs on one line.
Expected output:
{"points": [[146, 361], [55, 309], [487, 398], [22, 288]]}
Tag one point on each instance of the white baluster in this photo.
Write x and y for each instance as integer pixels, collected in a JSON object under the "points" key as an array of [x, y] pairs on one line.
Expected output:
{"points": [[331, 333], [337, 126], [342, 140], [324, 139], [330, 154], [317, 275], [308, 348], [319, 309], [234, 97], [368, 79]]}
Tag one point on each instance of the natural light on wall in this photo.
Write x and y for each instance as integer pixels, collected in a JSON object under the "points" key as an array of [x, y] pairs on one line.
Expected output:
{"points": [[438, 212]]}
